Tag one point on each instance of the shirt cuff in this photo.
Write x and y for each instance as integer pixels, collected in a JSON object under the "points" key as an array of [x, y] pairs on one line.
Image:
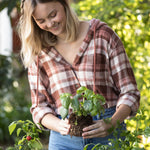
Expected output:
{"points": [[38, 113], [131, 101]]}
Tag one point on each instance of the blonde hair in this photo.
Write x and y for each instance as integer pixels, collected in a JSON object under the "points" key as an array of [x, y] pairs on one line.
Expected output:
{"points": [[35, 39]]}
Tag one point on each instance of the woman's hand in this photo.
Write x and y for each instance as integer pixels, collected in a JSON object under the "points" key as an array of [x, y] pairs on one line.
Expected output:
{"points": [[54, 123], [64, 127], [100, 128]]}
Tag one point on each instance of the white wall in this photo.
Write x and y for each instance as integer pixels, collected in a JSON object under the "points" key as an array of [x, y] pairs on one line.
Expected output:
{"points": [[5, 33]]}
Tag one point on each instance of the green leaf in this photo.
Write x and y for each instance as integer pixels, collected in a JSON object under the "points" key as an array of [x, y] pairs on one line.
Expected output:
{"points": [[12, 127], [101, 98], [36, 144], [86, 146], [18, 131], [78, 96], [99, 107], [95, 100], [88, 94], [75, 102], [29, 121], [63, 112], [88, 105], [30, 144], [25, 127], [40, 126], [65, 100], [64, 95], [22, 140], [93, 112], [147, 132], [38, 130], [20, 121], [81, 90], [79, 113], [96, 146]]}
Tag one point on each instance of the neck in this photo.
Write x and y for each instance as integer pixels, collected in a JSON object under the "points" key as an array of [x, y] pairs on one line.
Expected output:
{"points": [[83, 27], [61, 40]]}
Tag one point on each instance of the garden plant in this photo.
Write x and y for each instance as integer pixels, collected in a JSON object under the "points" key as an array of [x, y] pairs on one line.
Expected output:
{"points": [[84, 104], [133, 139], [29, 139], [28, 134], [14, 96]]}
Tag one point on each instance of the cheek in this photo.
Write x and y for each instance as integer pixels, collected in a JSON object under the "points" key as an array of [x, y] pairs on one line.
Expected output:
{"points": [[61, 17], [41, 26]]}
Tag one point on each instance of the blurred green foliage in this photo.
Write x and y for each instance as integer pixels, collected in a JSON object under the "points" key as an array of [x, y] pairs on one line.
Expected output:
{"points": [[14, 94], [10, 5]]}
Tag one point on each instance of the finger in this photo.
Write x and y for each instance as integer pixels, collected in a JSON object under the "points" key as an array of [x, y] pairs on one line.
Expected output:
{"points": [[95, 133], [66, 120], [64, 131], [98, 122], [102, 134], [95, 121], [91, 132], [91, 127], [65, 124]]}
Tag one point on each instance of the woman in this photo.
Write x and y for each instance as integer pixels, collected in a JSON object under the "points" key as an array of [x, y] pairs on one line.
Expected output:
{"points": [[58, 50]]}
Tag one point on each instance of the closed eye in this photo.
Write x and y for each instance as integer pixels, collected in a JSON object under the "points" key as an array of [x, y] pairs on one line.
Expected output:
{"points": [[42, 21], [52, 14]]}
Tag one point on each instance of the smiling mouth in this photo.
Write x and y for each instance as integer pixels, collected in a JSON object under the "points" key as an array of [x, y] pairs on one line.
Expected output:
{"points": [[55, 26]]}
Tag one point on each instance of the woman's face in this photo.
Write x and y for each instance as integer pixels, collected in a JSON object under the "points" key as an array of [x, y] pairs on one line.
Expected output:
{"points": [[51, 17]]}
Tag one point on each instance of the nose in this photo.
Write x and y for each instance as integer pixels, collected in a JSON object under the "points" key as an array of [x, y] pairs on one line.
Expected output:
{"points": [[50, 24]]}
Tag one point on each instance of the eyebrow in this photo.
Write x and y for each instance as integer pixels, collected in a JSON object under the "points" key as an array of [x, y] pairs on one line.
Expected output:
{"points": [[39, 19]]}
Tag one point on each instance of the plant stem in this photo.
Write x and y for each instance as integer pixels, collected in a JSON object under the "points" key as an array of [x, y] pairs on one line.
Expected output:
{"points": [[83, 99]]}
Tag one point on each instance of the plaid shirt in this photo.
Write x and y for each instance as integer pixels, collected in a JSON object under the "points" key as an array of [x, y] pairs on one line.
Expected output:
{"points": [[114, 76]]}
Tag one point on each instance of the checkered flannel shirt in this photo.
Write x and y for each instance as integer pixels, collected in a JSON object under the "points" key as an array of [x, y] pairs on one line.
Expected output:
{"points": [[114, 76]]}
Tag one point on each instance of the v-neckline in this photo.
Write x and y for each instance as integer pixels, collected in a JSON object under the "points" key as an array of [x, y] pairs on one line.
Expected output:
{"points": [[82, 49], [76, 58]]}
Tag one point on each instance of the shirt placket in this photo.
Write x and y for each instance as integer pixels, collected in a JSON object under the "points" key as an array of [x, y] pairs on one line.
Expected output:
{"points": [[60, 59], [77, 85]]}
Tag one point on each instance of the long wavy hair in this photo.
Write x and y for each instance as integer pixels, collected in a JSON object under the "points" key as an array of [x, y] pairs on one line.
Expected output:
{"points": [[33, 38]]}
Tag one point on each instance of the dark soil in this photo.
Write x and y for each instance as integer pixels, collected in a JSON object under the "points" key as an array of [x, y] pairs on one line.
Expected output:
{"points": [[78, 123]]}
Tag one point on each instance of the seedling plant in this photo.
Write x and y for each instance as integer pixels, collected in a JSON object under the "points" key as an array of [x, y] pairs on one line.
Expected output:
{"points": [[83, 103]]}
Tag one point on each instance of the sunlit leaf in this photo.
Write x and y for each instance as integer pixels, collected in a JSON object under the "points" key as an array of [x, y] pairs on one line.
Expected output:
{"points": [[12, 127]]}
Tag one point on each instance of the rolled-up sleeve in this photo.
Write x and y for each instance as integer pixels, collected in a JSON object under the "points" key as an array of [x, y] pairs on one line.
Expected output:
{"points": [[41, 104], [123, 76]]}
